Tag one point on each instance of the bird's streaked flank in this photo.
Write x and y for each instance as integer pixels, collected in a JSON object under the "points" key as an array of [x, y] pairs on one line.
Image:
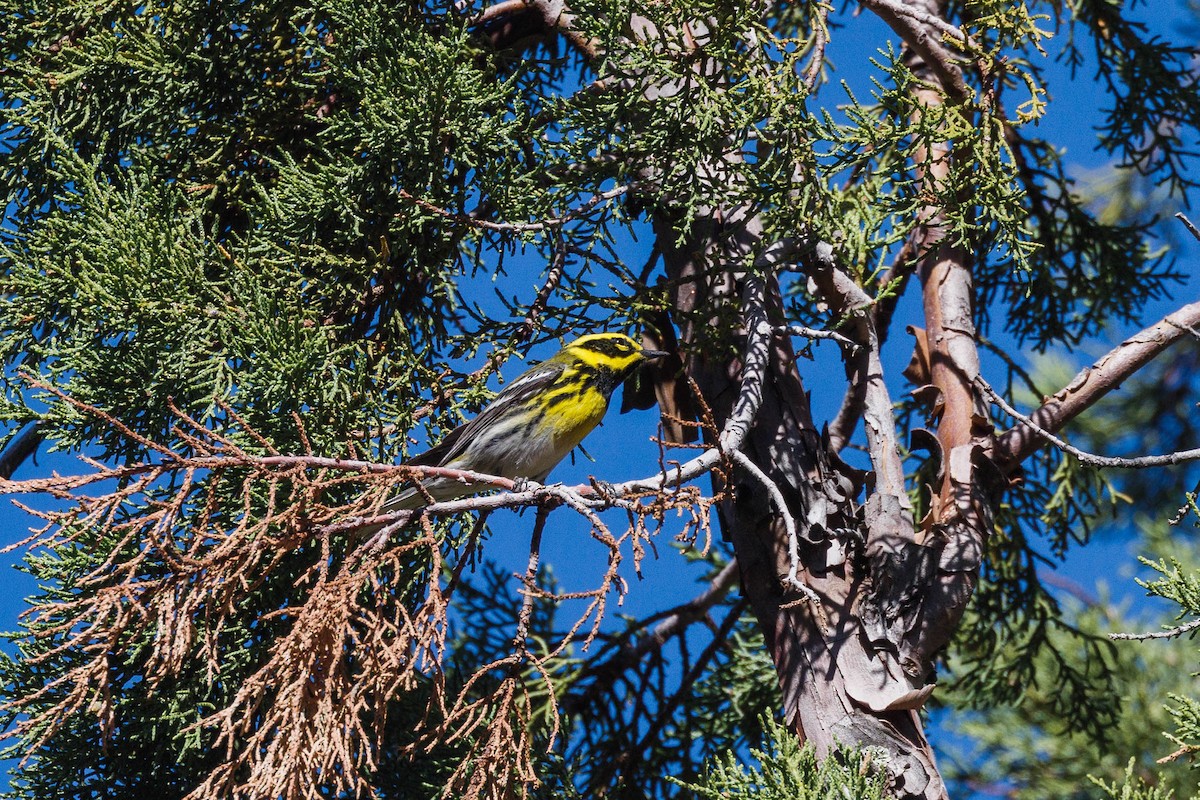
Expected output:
{"points": [[535, 421]]}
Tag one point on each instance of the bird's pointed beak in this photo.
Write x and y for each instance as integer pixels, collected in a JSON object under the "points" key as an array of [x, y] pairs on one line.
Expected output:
{"points": [[650, 355]]}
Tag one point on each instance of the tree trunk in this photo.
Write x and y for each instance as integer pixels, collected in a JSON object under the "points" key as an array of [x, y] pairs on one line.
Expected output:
{"points": [[839, 686], [853, 668]]}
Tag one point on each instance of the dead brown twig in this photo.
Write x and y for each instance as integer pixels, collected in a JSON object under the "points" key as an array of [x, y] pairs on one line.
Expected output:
{"points": [[184, 544], [228, 542]]}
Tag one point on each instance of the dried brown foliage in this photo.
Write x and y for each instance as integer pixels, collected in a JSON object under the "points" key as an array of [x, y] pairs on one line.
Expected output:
{"points": [[189, 545]]}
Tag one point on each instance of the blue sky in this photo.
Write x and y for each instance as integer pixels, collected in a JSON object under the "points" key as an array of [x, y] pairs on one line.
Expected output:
{"points": [[622, 447]]}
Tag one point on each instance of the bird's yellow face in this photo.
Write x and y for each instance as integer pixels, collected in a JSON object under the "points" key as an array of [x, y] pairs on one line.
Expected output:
{"points": [[610, 352], [594, 366]]}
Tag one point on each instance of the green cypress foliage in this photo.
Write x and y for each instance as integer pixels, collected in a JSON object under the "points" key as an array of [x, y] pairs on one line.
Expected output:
{"points": [[305, 228]]}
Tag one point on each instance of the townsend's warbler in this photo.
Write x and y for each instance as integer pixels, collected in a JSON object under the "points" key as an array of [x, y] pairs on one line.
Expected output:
{"points": [[535, 420]]}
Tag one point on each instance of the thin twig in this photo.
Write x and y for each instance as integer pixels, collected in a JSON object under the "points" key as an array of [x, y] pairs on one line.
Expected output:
{"points": [[789, 523], [1090, 459], [820, 41], [1094, 382], [667, 709], [816, 333], [520, 227], [520, 641], [533, 317], [1189, 505], [1183, 750], [673, 621], [1167, 634]]}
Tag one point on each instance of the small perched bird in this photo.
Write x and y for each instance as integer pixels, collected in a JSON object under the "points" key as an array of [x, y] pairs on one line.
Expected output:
{"points": [[535, 421]]}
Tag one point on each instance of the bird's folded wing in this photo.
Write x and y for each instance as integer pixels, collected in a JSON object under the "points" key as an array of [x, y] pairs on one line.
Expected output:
{"points": [[517, 394]]}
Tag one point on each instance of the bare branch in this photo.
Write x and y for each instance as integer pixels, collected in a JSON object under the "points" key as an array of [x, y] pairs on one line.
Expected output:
{"points": [[667, 710], [1170, 633], [1182, 751], [1090, 459], [1093, 383], [603, 672], [678, 618], [530, 592], [538, 306], [1189, 505]]}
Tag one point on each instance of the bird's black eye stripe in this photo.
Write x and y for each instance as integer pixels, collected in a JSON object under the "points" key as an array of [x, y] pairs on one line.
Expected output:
{"points": [[610, 347]]}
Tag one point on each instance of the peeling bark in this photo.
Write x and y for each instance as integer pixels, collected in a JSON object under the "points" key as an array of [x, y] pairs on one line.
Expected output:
{"points": [[839, 685], [854, 668]]}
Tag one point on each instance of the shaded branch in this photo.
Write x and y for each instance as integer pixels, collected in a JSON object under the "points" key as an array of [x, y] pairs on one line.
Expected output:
{"points": [[1093, 383], [792, 578], [667, 710], [893, 283], [21, 447], [675, 621], [552, 14], [864, 367], [532, 319], [1090, 459]]}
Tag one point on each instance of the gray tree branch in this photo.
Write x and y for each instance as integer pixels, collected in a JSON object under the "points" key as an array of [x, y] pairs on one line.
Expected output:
{"points": [[1092, 383], [1092, 460]]}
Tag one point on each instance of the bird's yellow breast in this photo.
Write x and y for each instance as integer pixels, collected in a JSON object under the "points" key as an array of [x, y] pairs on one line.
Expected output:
{"points": [[571, 413]]}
